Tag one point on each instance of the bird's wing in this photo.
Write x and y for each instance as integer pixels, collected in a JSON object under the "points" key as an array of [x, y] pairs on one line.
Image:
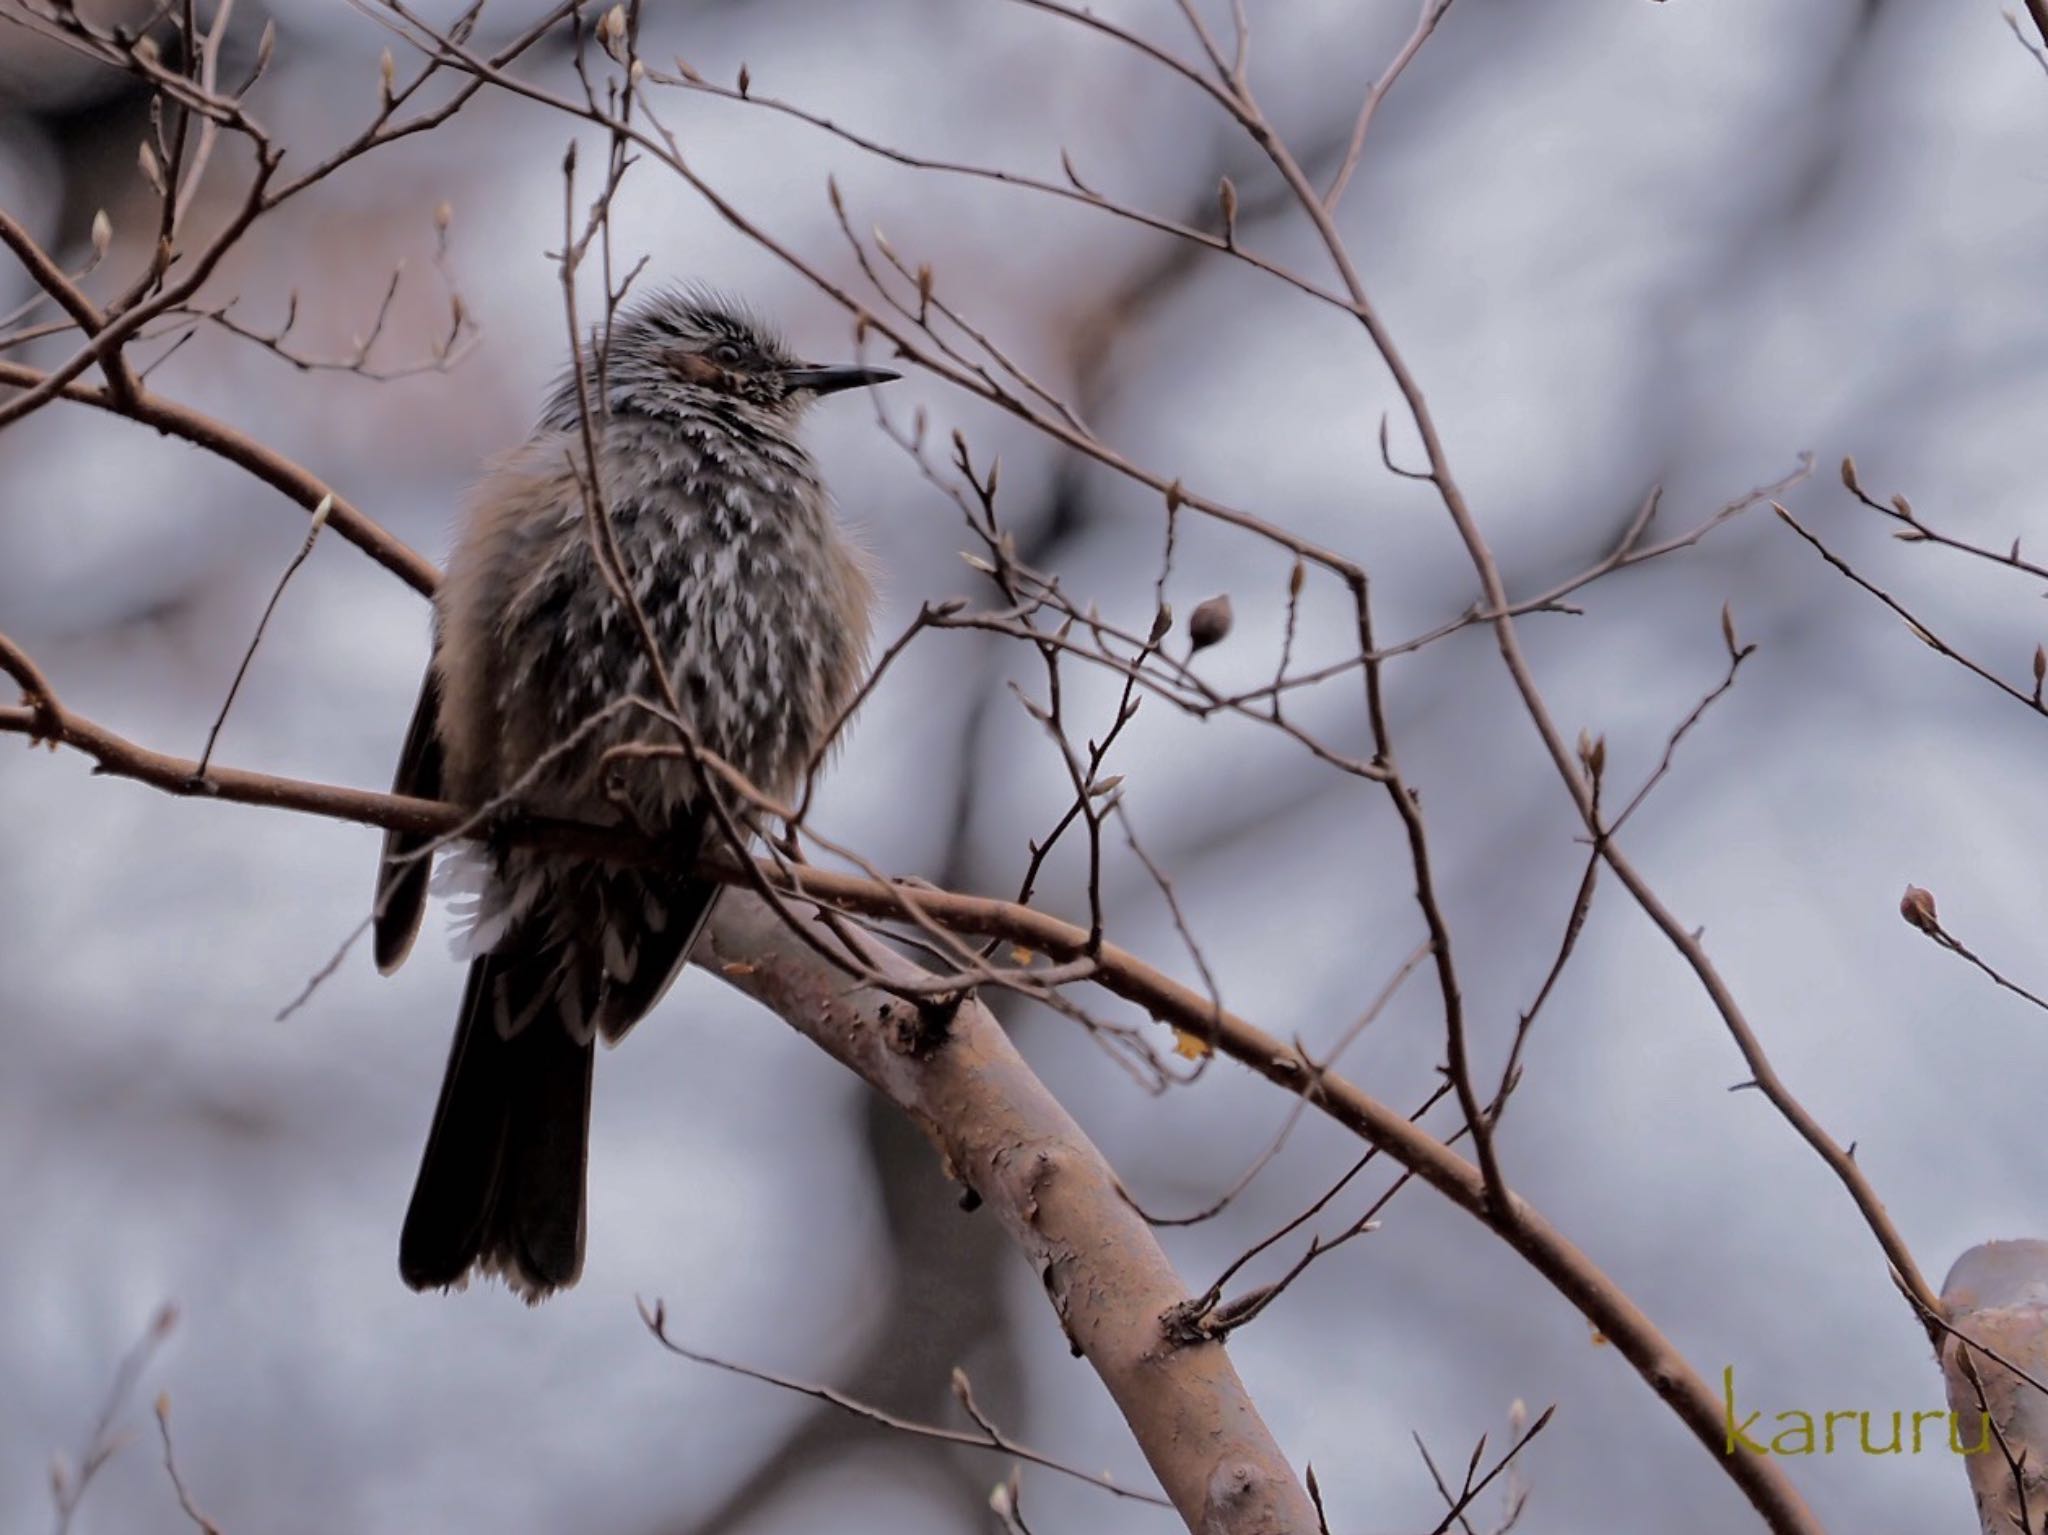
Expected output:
{"points": [[650, 919], [402, 871]]}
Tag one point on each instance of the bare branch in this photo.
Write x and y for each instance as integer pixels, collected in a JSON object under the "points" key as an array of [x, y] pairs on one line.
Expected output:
{"points": [[1545, 1249], [1432, 13], [1920, 631], [990, 1438], [312, 533], [267, 465], [1008, 1140], [199, 1521], [68, 1486]]}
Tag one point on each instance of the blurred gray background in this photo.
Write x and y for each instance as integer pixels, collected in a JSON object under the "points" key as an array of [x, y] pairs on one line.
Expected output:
{"points": [[1622, 244]]}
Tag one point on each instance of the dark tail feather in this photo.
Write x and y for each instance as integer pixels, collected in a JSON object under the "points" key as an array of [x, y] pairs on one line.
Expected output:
{"points": [[403, 869], [501, 1184]]}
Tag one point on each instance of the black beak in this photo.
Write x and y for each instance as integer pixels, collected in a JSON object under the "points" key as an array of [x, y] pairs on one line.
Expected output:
{"points": [[831, 380]]}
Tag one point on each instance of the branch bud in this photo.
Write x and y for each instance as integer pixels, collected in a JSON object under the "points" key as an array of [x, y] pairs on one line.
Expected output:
{"points": [[1593, 754], [1917, 907], [1210, 623], [102, 233]]}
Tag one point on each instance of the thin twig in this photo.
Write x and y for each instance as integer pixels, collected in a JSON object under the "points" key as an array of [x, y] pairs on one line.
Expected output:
{"points": [[313, 528], [989, 1437], [163, 1425], [68, 1488]]}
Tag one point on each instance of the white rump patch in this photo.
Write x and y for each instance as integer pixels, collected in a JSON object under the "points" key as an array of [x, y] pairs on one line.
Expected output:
{"points": [[477, 900]]}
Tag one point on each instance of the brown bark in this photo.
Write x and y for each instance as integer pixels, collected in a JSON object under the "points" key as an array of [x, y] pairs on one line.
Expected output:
{"points": [[1005, 1137]]}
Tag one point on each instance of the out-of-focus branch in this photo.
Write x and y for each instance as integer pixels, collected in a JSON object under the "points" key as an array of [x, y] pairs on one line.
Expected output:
{"points": [[68, 1484], [190, 1509], [2038, 9], [2035, 51], [1994, 1353], [267, 465], [1008, 1139]]}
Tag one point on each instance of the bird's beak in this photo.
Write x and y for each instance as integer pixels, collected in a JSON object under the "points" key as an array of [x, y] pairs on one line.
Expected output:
{"points": [[831, 380]]}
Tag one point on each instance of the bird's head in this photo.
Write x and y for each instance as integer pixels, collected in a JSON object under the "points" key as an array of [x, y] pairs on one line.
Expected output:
{"points": [[683, 351]]}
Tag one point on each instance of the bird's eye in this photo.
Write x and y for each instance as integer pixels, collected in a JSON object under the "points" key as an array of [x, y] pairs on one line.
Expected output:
{"points": [[725, 352]]}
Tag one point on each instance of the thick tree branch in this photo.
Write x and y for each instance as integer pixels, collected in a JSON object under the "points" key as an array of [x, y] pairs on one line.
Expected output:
{"points": [[1575, 1276], [1006, 1138]]}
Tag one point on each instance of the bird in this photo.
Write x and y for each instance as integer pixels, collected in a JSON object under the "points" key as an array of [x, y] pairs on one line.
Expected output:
{"points": [[756, 597]]}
